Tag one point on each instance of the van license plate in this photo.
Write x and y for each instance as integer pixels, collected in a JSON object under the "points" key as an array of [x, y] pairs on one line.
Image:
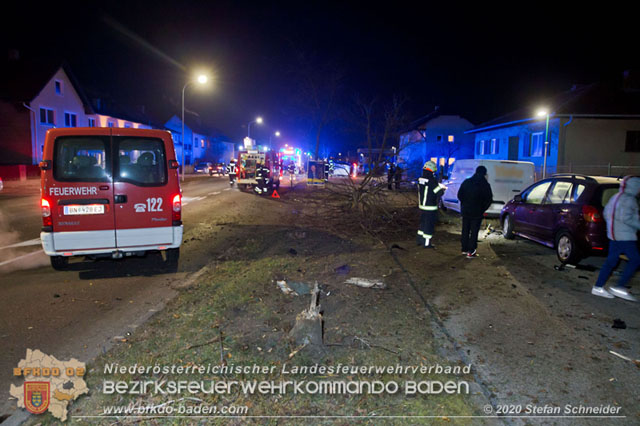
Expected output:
{"points": [[88, 209]]}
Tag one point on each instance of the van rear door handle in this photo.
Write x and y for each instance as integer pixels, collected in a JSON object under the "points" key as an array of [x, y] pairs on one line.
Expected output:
{"points": [[120, 199]]}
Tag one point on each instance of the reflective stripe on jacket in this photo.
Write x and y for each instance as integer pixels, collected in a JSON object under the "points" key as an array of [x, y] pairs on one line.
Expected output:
{"points": [[428, 189]]}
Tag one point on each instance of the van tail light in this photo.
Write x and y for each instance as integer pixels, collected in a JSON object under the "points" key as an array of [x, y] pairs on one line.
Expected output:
{"points": [[592, 214], [47, 220], [177, 208]]}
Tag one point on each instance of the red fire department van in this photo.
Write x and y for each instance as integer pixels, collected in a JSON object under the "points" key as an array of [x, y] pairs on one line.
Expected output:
{"points": [[247, 162], [110, 192]]}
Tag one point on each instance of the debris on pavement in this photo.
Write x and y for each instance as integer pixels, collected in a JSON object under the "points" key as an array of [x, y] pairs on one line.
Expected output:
{"points": [[626, 358], [618, 323], [365, 283], [342, 270], [285, 287]]}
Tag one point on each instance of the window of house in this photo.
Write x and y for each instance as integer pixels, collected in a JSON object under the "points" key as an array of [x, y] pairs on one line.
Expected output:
{"points": [[439, 138], [111, 124], [201, 143], [480, 148], [495, 146], [92, 122], [450, 138], [70, 119], [536, 145], [127, 125], [47, 116], [632, 144], [58, 87]]}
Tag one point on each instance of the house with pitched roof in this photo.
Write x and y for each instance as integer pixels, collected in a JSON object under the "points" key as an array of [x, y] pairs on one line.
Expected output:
{"points": [[438, 137], [37, 97], [592, 129]]}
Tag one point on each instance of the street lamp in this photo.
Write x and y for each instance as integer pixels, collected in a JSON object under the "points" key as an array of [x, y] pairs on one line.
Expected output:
{"points": [[276, 134], [257, 120], [201, 79], [545, 113]]}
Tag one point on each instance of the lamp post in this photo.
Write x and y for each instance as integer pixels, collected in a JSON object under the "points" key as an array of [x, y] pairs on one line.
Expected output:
{"points": [[276, 134], [202, 79], [257, 120], [545, 113]]}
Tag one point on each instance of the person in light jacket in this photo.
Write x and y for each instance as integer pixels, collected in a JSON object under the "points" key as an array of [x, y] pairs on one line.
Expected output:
{"points": [[623, 224]]}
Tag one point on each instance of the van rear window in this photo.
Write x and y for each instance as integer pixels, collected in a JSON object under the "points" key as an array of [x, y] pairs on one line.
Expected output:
{"points": [[140, 161], [81, 159]]}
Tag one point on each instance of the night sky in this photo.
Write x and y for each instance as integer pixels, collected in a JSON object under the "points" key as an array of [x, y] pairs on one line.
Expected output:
{"points": [[478, 62]]}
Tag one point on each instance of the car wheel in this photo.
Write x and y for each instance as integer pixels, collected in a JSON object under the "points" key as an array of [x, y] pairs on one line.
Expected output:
{"points": [[507, 227], [566, 248], [59, 263], [171, 259]]}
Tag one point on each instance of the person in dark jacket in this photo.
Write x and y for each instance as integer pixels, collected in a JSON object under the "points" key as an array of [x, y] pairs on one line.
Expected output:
{"points": [[391, 172], [398, 177], [428, 191], [262, 176], [475, 198]]}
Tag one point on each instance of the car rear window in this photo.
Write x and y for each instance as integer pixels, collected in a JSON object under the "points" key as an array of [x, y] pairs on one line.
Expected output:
{"points": [[140, 161], [81, 159], [607, 193]]}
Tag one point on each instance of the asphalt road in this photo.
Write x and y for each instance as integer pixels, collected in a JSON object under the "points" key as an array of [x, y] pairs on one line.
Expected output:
{"points": [[80, 312]]}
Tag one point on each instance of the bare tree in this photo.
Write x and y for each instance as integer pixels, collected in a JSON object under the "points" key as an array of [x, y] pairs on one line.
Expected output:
{"points": [[319, 85]]}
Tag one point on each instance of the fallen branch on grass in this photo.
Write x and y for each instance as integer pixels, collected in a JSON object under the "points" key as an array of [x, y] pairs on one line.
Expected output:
{"points": [[363, 342], [215, 339], [626, 358]]}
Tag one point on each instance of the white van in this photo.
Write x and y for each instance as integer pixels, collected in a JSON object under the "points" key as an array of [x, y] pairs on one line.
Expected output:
{"points": [[507, 179]]}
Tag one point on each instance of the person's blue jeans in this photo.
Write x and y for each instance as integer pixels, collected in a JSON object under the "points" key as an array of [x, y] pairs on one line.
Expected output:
{"points": [[616, 248]]}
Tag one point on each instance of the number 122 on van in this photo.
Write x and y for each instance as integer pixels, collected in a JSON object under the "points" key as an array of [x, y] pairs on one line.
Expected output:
{"points": [[152, 205]]}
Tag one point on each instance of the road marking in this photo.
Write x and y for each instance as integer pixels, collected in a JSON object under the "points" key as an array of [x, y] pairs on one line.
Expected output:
{"points": [[20, 257], [214, 193], [33, 242], [187, 200], [227, 189]]}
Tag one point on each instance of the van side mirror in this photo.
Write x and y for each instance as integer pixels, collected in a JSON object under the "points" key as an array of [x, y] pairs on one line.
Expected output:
{"points": [[173, 164], [45, 165], [517, 198]]}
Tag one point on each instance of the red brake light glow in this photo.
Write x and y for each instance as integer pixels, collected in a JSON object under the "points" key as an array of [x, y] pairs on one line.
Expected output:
{"points": [[47, 220], [591, 214], [177, 207]]}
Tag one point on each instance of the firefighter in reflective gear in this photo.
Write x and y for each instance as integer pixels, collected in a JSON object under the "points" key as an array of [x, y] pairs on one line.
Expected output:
{"points": [[262, 176], [428, 191], [232, 171]]}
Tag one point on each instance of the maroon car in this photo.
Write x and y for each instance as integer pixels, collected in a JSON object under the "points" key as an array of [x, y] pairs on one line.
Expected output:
{"points": [[563, 212]]}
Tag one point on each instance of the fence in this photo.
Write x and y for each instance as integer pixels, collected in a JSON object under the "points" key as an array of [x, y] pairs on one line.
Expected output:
{"points": [[592, 170]]}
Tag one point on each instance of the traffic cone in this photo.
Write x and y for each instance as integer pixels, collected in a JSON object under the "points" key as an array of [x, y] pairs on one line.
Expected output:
{"points": [[275, 194]]}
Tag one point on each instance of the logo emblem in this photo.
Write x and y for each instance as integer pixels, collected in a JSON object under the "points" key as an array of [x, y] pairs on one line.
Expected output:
{"points": [[36, 396]]}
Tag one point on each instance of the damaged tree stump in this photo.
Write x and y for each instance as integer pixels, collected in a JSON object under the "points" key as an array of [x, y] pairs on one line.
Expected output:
{"points": [[307, 330]]}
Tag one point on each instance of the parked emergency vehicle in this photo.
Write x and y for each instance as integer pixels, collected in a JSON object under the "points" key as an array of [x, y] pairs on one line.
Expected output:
{"points": [[110, 192], [247, 161]]}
